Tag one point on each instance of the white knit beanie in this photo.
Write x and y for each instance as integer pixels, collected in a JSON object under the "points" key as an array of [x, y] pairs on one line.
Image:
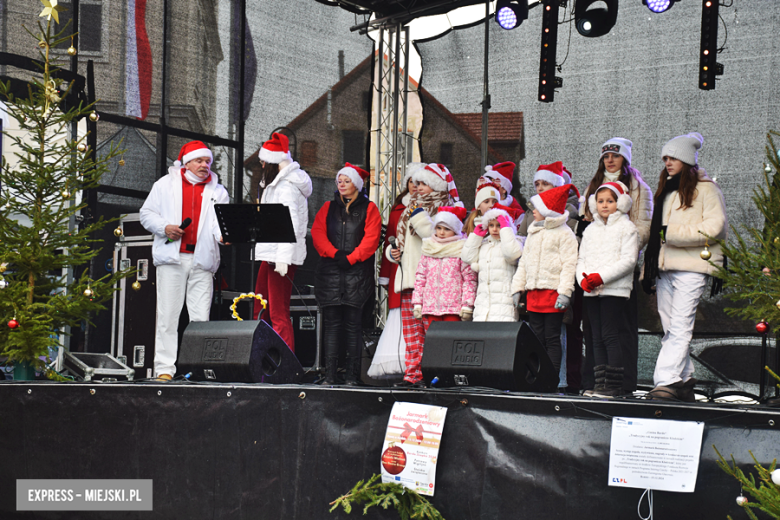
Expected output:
{"points": [[617, 145], [684, 148]]}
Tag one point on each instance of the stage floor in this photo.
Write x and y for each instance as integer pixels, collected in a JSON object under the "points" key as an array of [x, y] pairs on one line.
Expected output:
{"points": [[224, 451]]}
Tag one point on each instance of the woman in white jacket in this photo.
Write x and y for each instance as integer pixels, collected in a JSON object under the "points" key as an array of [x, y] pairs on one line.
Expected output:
{"points": [[689, 208], [605, 272], [615, 165], [493, 250], [282, 182]]}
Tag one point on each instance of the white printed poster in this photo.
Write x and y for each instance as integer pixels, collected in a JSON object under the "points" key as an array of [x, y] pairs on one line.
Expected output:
{"points": [[411, 448], [655, 454]]}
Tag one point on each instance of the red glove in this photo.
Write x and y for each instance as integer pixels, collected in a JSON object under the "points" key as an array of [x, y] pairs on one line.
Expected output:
{"points": [[505, 221], [584, 283], [480, 231], [594, 280]]}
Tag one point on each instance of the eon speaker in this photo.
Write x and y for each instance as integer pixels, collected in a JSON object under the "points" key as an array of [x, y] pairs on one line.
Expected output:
{"points": [[501, 355], [246, 351]]}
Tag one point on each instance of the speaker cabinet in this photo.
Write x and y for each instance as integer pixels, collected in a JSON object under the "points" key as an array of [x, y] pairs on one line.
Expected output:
{"points": [[236, 351], [501, 355]]}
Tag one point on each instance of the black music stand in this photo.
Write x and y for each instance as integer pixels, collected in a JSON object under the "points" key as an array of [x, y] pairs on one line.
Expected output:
{"points": [[255, 223]]}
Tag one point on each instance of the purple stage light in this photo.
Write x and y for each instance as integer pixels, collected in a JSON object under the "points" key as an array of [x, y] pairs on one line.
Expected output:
{"points": [[659, 6], [506, 18]]}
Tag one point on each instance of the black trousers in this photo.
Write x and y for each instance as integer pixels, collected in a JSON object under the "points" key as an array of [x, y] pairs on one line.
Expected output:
{"points": [[629, 332], [606, 315], [343, 330], [547, 327]]}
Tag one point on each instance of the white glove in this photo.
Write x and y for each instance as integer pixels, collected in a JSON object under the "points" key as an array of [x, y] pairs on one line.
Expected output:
{"points": [[562, 302], [417, 311], [516, 299], [281, 269], [466, 314]]}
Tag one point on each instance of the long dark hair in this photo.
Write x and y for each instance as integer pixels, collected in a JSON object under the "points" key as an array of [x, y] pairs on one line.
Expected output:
{"points": [[267, 175], [626, 176], [689, 178]]}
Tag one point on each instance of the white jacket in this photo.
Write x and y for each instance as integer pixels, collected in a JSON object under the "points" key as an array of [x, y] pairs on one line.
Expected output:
{"points": [[163, 207], [549, 258], [495, 262], [291, 187], [609, 250], [423, 225]]}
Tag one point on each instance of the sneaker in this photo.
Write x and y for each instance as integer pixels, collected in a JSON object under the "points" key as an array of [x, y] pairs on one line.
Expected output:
{"points": [[607, 392]]}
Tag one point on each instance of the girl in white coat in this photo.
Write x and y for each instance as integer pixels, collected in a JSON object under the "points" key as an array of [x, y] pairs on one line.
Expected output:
{"points": [[689, 207], [605, 272], [493, 250]]}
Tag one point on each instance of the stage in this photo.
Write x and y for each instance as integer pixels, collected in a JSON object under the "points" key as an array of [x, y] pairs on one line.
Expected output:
{"points": [[224, 451]]}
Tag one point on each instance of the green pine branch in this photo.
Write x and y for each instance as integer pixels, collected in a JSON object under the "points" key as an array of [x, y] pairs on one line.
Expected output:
{"points": [[409, 504], [766, 492]]}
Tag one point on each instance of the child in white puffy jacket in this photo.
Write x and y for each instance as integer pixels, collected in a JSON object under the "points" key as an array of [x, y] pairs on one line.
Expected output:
{"points": [[493, 250], [546, 269], [605, 272]]}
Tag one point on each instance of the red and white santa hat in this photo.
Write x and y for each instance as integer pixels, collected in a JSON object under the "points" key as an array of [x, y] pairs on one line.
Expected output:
{"points": [[566, 175], [552, 173], [499, 210], [357, 175], [486, 190], [503, 173], [439, 178], [452, 217], [620, 190], [552, 203], [410, 169], [276, 149], [190, 151]]}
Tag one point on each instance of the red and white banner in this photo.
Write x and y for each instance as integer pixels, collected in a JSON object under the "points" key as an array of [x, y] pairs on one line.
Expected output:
{"points": [[138, 62]]}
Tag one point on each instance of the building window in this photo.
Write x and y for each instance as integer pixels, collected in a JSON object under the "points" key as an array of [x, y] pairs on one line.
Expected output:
{"points": [[308, 154], [445, 154], [91, 26], [353, 147], [367, 101]]}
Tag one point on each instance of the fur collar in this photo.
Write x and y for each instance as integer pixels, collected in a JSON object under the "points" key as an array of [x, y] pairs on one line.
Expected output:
{"points": [[446, 248], [550, 223]]}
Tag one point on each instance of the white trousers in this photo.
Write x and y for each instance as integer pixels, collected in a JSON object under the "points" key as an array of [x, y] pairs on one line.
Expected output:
{"points": [[678, 294], [173, 283]]}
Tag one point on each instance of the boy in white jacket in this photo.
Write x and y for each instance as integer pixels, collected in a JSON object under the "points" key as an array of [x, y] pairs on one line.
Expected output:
{"points": [[605, 272], [546, 269]]}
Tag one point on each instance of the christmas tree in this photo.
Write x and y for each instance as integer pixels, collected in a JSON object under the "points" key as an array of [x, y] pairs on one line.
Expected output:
{"points": [[42, 180], [752, 276]]}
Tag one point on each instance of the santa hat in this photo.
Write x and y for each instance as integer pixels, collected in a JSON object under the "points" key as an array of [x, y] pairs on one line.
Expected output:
{"points": [[190, 151], [439, 178], [684, 148], [410, 169], [617, 145], [501, 172], [552, 173], [276, 149], [620, 190], [355, 174], [486, 190], [452, 217], [499, 210], [566, 175], [552, 203]]}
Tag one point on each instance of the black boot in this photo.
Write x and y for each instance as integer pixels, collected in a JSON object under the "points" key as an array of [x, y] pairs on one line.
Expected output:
{"points": [[331, 368], [600, 373], [685, 391], [613, 383], [352, 371]]}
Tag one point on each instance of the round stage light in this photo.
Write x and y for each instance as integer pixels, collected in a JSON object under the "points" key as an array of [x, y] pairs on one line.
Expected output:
{"points": [[506, 18], [659, 6], [594, 18]]}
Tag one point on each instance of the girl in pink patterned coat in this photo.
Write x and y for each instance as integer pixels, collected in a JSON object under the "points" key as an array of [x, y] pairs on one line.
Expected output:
{"points": [[444, 286]]}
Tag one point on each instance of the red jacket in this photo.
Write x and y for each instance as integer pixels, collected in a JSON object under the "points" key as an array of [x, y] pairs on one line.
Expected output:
{"points": [[388, 269]]}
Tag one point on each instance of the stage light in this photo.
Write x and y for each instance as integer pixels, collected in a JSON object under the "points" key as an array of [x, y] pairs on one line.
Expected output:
{"points": [[658, 6], [593, 20], [510, 14], [548, 81], [709, 67]]}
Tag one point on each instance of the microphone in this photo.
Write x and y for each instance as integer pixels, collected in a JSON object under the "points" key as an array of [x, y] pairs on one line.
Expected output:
{"points": [[183, 225], [392, 242]]}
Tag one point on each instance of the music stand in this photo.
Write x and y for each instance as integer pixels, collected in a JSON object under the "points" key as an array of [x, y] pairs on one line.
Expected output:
{"points": [[255, 223]]}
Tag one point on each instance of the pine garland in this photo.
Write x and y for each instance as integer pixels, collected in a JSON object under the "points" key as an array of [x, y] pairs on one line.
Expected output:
{"points": [[409, 504]]}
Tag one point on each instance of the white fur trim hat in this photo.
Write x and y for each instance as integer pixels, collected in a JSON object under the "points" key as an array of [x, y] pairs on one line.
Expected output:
{"points": [[432, 176], [501, 172], [357, 175], [452, 217], [617, 145], [485, 192], [493, 213], [552, 173], [276, 149], [684, 148], [552, 203], [620, 190], [410, 169], [190, 151]]}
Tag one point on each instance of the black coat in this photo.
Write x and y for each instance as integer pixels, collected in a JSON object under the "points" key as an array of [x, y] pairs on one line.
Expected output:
{"points": [[354, 285]]}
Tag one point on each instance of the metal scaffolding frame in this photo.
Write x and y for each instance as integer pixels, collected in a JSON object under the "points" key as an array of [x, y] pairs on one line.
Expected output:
{"points": [[391, 86]]}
